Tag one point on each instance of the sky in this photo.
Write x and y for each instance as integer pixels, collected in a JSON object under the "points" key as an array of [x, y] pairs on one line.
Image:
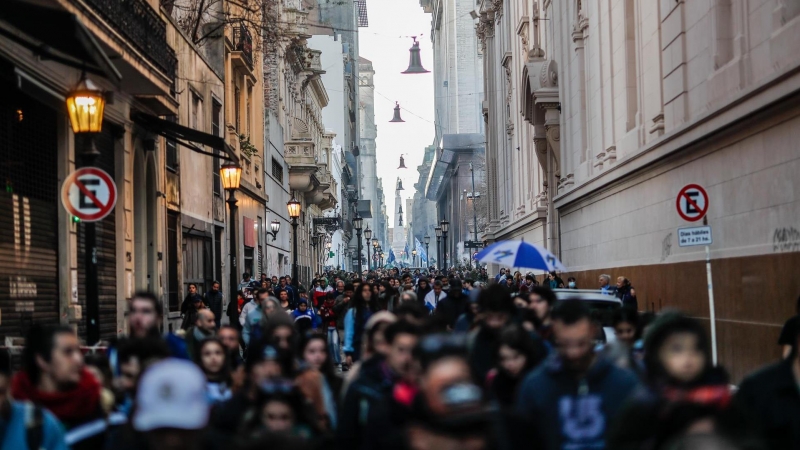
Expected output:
{"points": [[386, 42]]}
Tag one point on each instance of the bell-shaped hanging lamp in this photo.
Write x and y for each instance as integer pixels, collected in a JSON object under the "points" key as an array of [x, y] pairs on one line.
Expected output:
{"points": [[414, 63], [400, 185], [400, 210], [402, 163], [401, 221], [397, 117]]}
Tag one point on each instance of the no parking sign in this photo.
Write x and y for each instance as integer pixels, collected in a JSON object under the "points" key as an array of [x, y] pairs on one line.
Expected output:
{"points": [[692, 202], [89, 194]]}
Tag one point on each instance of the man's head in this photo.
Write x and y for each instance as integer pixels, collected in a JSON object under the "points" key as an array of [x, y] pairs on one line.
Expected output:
{"points": [[261, 296], [282, 281], [52, 357], [215, 286], [229, 336], [192, 289], [134, 356], [340, 286], [302, 306], [541, 300], [274, 280], [144, 315], [496, 306], [437, 287], [283, 296], [502, 271], [349, 288], [205, 321], [246, 276], [401, 337], [574, 333], [604, 279]]}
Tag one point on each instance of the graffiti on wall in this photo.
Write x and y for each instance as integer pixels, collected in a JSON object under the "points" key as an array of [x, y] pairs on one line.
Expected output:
{"points": [[666, 247], [786, 240]]}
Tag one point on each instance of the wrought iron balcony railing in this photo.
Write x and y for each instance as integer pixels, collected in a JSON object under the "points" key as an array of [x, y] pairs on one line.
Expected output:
{"points": [[139, 23], [243, 42]]}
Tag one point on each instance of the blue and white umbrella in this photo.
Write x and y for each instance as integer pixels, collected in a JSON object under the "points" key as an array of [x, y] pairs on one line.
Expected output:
{"points": [[520, 254]]}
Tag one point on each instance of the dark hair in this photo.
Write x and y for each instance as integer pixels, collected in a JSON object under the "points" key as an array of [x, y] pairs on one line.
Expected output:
{"points": [[149, 296], [246, 275], [143, 349], [571, 311], [571, 279], [666, 325], [327, 368], [545, 293], [398, 328], [517, 338], [224, 374], [193, 284], [413, 309], [349, 287], [625, 315], [101, 362], [229, 327], [360, 304], [255, 355], [495, 298], [262, 291], [40, 342], [434, 347]]}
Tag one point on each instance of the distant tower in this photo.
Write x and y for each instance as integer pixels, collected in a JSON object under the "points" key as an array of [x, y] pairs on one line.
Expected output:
{"points": [[399, 236]]}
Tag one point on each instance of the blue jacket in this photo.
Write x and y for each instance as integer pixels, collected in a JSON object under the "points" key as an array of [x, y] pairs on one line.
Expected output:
{"points": [[570, 413], [309, 315], [252, 325], [15, 430]]}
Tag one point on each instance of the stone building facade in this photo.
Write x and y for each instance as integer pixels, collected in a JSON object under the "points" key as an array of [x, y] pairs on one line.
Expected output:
{"points": [[598, 113]]}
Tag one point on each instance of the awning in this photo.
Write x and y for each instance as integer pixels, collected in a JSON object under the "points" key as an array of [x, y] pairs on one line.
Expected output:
{"points": [[452, 146], [56, 35], [184, 135]]}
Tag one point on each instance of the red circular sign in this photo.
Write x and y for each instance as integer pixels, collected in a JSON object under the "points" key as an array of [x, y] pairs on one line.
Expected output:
{"points": [[692, 202], [89, 194]]}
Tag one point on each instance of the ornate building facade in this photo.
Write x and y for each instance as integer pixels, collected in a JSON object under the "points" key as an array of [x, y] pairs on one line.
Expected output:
{"points": [[598, 113]]}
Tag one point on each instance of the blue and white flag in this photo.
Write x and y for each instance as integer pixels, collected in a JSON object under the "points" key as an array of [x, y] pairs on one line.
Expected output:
{"points": [[423, 256], [391, 257]]}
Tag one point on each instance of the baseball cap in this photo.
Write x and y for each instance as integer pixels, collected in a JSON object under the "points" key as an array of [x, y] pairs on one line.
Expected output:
{"points": [[172, 394]]}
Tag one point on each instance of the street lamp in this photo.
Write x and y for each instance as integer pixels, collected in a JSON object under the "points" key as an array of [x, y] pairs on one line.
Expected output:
{"points": [[230, 175], [85, 106], [438, 231], [357, 222], [293, 206], [427, 240], [367, 236], [375, 250], [445, 226], [274, 226], [414, 258]]}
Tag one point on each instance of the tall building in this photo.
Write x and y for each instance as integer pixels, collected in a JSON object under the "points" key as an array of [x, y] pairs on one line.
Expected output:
{"points": [[398, 230], [597, 117], [369, 199]]}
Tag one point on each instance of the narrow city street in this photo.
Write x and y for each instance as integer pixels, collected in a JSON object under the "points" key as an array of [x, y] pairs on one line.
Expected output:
{"points": [[407, 224]]}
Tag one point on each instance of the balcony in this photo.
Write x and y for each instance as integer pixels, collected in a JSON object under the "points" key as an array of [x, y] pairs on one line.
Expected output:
{"points": [[299, 155], [243, 44], [143, 28]]}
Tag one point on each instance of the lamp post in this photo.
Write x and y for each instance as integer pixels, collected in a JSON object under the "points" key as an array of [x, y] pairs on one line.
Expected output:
{"points": [[274, 227], [314, 256], [85, 105], [427, 240], [293, 206], [367, 237], [230, 175], [375, 250], [357, 222], [445, 226], [438, 231], [414, 258]]}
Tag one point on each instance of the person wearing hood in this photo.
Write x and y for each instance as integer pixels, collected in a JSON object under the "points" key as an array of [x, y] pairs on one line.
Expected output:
{"points": [[452, 306], [304, 317], [213, 300], [54, 377], [497, 311], [683, 390], [574, 396], [423, 287]]}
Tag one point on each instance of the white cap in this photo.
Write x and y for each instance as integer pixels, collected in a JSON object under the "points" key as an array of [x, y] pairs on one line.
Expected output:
{"points": [[172, 394]]}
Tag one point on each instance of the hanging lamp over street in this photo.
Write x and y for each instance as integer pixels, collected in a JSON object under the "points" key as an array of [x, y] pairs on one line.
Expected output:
{"points": [[400, 185], [414, 62], [397, 117], [402, 163]]}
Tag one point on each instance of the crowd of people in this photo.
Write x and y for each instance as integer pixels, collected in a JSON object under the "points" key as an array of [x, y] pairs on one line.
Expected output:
{"points": [[392, 359]]}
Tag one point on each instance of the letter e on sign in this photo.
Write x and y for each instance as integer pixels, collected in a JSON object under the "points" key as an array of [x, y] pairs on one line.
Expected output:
{"points": [[692, 202]]}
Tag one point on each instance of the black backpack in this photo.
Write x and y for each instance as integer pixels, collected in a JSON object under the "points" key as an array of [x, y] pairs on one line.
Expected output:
{"points": [[34, 429]]}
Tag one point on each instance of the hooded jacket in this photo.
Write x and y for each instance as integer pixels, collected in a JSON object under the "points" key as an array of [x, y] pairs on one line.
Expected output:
{"points": [[366, 413], [571, 413]]}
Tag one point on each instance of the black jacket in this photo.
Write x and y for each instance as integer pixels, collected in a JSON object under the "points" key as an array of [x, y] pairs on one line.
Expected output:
{"points": [[771, 400], [213, 299], [366, 412], [452, 306]]}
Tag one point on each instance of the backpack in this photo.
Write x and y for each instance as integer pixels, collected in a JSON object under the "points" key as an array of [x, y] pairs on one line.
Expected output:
{"points": [[34, 426]]}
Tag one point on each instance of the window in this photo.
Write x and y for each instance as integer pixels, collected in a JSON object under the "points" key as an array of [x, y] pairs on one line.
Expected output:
{"points": [[197, 112], [216, 182], [219, 236], [248, 260], [247, 112], [172, 261], [277, 171], [237, 105], [172, 150]]}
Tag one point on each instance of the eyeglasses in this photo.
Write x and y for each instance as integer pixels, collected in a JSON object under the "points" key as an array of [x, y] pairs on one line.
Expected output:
{"points": [[278, 386]]}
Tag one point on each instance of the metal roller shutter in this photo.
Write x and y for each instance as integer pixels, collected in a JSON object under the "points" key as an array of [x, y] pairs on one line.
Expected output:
{"points": [[106, 251], [28, 214]]}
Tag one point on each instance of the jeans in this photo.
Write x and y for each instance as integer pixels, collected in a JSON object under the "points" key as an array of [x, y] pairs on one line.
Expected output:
{"points": [[333, 345]]}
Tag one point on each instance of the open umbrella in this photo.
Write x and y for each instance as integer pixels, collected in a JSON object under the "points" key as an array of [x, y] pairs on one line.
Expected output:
{"points": [[520, 254]]}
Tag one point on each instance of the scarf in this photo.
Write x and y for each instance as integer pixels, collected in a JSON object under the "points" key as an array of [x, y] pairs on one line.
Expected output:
{"points": [[74, 405]]}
